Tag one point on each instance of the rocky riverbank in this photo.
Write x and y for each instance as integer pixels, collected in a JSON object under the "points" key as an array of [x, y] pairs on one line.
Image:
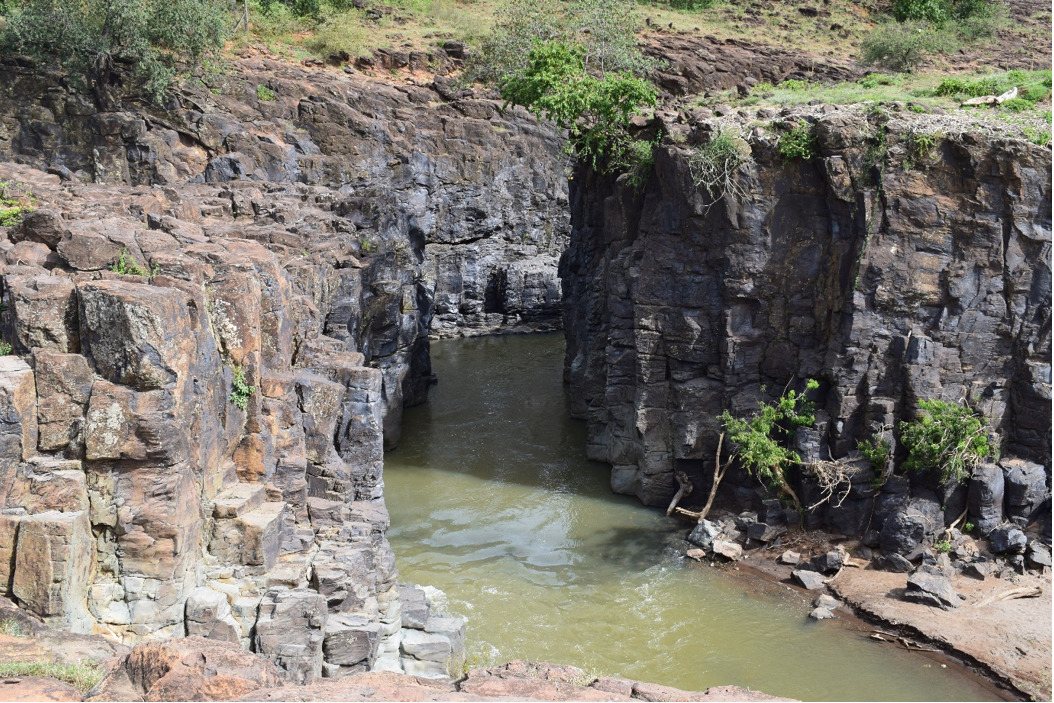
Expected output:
{"points": [[987, 611], [200, 669]]}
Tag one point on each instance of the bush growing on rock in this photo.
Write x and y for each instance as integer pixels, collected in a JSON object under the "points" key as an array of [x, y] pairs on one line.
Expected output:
{"points": [[946, 438], [88, 37], [595, 111], [757, 439], [714, 164]]}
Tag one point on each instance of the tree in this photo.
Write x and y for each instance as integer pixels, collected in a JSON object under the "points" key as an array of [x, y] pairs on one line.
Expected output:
{"points": [[87, 37], [605, 29], [595, 111], [757, 438]]}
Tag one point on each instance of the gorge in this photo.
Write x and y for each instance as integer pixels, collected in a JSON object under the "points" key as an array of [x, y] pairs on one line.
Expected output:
{"points": [[194, 439]]}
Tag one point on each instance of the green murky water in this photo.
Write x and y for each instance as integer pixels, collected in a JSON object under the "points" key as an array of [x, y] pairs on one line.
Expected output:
{"points": [[493, 501]]}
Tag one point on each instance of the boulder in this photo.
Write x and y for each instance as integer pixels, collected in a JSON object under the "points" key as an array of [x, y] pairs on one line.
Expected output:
{"points": [[414, 607], [905, 531], [1038, 554], [190, 669], [931, 589], [810, 580], [350, 640], [44, 312], [727, 549], [31, 689], [44, 225], [765, 533], [826, 601], [897, 563], [1007, 540], [790, 558], [1025, 487], [821, 614], [976, 570], [704, 533], [985, 498]]}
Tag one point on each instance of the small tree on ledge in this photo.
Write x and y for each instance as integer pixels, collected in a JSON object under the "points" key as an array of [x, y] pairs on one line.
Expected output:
{"points": [[757, 438]]}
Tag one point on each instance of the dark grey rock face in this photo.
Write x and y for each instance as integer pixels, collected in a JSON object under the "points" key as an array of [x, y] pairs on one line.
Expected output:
{"points": [[936, 286]]}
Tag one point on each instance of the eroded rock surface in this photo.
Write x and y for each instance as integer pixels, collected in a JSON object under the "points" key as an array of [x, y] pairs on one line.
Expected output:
{"points": [[934, 285], [194, 445]]}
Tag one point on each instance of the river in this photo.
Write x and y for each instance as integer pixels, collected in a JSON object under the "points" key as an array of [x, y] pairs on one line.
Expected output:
{"points": [[493, 501]]}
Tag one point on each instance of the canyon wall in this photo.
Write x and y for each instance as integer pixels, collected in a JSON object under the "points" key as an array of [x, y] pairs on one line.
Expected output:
{"points": [[218, 309], [928, 277]]}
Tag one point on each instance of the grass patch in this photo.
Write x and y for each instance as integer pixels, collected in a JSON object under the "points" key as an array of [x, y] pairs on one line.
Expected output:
{"points": [[14, 205], [126, 265], [10, 626], [81, 676]]}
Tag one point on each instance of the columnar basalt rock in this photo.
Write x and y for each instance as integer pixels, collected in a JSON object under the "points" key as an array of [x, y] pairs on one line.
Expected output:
{"points": [[185, 450], [925, 280]]}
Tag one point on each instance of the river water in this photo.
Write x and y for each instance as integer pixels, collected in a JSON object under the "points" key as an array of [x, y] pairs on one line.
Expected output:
{"points": [[493, 501]]}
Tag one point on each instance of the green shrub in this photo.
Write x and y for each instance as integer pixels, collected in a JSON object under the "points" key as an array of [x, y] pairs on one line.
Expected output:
{"points": [[713, 165], [341, 33], [14, 207], [5, 348], [638, 160], [595, 111], [939, 12], [1017, 105], [946, 438], [758, 439], [901, 46], [126, 265], [606, 29], [1040, 137], [87, 37], [266, 94], [942, 546], [240, 390], [799, 143], [794, 84], [877, 452]]}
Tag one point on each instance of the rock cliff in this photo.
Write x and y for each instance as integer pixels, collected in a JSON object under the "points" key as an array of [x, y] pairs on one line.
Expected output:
{"points": [[889, 276]]}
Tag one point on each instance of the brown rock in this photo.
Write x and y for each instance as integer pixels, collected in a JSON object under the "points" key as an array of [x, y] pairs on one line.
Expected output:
{"points": [[18, 411], [54, 556], [44, 310], [191, 669], [63, 386], [136, 335], [43, 225], [31, 689]]}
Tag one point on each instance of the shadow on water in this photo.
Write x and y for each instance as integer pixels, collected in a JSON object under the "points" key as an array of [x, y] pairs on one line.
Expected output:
{"points": [[493, 501]]}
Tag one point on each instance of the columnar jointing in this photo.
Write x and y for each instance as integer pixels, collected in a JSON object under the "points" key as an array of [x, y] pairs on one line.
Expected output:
{"points": [[934, 285], [216, 324]]}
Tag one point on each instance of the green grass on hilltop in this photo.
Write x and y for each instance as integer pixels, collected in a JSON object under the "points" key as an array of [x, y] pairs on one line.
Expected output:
{"points": [[918, 91]]}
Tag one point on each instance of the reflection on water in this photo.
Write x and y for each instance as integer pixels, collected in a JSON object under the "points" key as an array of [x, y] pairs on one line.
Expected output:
{"points": [[493, 501]]}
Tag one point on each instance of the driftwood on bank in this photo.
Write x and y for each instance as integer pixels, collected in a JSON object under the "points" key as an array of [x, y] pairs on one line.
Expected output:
{"points": [[1023, 592]]}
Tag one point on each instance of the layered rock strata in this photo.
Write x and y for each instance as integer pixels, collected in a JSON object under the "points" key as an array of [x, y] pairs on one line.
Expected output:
{"points": [[192, 440], [888, 275]]}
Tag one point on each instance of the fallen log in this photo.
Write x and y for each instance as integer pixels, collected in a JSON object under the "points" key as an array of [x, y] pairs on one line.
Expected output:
{"points": [[685, 488], [1023, 592]]}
